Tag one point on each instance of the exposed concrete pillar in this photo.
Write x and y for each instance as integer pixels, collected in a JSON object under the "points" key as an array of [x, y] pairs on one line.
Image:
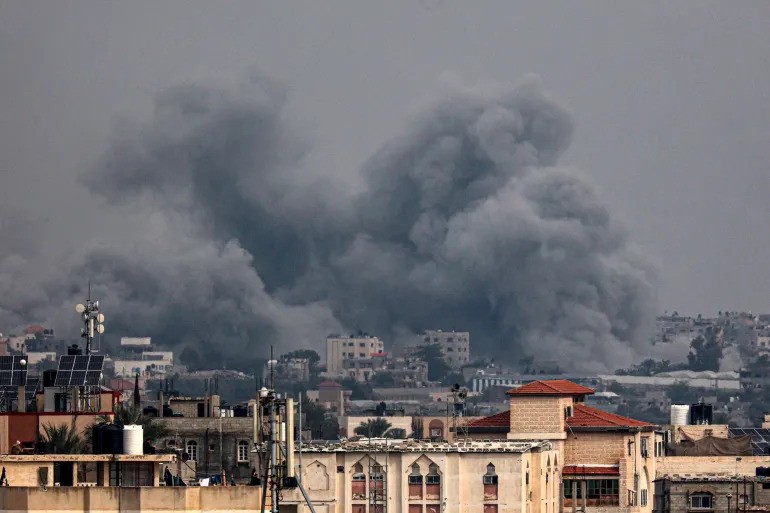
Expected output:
{"points": [[574, 496], [584, 487]]}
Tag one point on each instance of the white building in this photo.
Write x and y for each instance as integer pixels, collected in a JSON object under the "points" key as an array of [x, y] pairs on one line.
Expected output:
{"points": [[340, 348]]}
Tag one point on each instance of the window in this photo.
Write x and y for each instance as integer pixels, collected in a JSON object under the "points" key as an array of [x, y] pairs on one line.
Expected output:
{"points": [[436, 432], [701, 501], [645, 447], [358, 486], [243, 451], [415, 483], [192, 450], [433, 483], [362, 344], [643, 498], [490, 484], [490, 508], [599, 492], [362, 355]]}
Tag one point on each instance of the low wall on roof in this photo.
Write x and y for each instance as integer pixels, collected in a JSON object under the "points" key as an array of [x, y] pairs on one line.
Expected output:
{"points": [[724, 465], [144, 499]]}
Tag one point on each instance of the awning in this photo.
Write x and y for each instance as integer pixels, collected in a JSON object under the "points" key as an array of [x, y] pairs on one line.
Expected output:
{"points": [[591, 470]]}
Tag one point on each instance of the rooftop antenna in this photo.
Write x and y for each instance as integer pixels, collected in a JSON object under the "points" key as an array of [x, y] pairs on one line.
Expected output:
{"points": [[93, 320]]}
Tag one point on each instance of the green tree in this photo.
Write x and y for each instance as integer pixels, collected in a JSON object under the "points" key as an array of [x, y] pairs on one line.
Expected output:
{"points": [[152, 428], [396, 433], [63, 439], [312, 357], [705, 351], [373, 428], [437, 367]]}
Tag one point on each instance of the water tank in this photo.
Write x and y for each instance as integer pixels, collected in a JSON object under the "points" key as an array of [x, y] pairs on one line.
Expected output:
{"points": [[97, 438], [133, 439], [679, 414], [49, 378], [701, 414], [113, 439], [74, 350]]}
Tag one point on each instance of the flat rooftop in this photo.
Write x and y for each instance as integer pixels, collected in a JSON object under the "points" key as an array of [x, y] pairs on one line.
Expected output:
{"points": [[44, 458], [391, 445]]}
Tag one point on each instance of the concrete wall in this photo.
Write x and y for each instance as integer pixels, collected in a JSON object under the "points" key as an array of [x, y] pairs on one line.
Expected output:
{"points": [[146, 500], [718, 465]]}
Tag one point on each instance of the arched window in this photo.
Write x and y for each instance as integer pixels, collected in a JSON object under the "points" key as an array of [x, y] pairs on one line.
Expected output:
{"points": [[490, 484], [433, 477], [433, 483], [192, 449], [415, 483], [358, 486], [243, 451], [701, 500]]}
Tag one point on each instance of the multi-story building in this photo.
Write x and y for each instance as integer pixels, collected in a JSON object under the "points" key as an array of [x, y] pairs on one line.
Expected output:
{"points": [[455, 345], [711, 493], [341, 348], [413, 476], [606, 461]]}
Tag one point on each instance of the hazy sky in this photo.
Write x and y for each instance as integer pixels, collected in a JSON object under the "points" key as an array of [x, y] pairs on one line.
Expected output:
{"points": [[670, 101]]}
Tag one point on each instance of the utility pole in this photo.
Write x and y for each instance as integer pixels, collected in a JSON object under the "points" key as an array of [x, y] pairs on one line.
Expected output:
{"points": [[93, 320]]}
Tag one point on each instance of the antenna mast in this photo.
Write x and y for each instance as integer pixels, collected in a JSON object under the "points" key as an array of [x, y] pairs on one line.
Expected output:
{"points": [[93, 320]]}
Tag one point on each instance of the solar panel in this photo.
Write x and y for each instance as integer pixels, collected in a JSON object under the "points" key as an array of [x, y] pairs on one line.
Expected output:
{"points": [[79, 370], [12, 372], [760, 439]]}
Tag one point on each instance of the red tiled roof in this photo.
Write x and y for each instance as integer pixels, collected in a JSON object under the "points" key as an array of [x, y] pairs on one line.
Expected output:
{"points": [[551, 387], [502, 419], [586, 416], [582, 417], [597, 470], [34, 328], [329, 384]]}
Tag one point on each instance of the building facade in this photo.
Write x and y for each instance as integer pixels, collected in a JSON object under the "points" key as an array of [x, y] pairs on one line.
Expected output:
{"points": [[455, 345], [607, 462], [340, 348], [428, 477], [711, 493]]}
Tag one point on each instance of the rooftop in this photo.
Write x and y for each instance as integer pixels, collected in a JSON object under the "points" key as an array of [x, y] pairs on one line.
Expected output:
{"points": [[584, 418], [587, 417], [411, 445], [551, 387]]}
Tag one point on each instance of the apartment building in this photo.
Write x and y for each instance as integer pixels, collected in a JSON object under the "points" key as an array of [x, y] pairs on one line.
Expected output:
{"points": [[455, 345], [340, 349]]}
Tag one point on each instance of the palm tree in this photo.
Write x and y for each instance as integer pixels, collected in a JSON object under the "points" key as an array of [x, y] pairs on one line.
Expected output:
{"points": [[373, 428], [63, 439], [128, 414]]}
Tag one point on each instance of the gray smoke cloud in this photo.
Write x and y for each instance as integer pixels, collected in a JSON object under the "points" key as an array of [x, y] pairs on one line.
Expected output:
{"points": [[465, 221]]}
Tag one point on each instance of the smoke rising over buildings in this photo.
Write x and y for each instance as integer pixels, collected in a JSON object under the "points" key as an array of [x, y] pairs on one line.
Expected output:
{"points": [[465, 220]]}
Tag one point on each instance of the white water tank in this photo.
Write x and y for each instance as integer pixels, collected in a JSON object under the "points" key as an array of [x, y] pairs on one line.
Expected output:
{"points": [[133, 439], [680, 414]]}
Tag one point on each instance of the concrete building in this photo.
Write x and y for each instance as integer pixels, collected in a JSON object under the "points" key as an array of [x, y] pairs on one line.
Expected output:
{"points": [[214, 444], [712, 493], [455, 345], [609, 461], [83, 470], [341, 348], [348, 424], [429, 477]]}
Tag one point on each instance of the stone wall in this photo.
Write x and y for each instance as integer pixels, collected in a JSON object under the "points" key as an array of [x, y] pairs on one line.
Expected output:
{"points": [[146, 500], [718, 465], [538, 417]]}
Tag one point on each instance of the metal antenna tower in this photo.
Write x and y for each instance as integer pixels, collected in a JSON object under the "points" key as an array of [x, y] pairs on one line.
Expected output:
{"points": [[275, 445], [459, 395], [93, 320]]}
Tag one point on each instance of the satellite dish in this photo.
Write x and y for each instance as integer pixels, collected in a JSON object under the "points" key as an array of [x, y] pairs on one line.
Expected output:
{"points": [[100, 317], [80, 308], [23, 362], [96, 304], [100, 328]]}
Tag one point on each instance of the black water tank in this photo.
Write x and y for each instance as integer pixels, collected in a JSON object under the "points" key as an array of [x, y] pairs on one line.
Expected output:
{"points": [[701, 414], [74, 350], [113, 439], [98, 435], [49, 378], [763, 472]]}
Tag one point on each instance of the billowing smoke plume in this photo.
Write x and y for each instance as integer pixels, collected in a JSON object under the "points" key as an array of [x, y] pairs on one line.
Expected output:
{"points": [[463, 222]]}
